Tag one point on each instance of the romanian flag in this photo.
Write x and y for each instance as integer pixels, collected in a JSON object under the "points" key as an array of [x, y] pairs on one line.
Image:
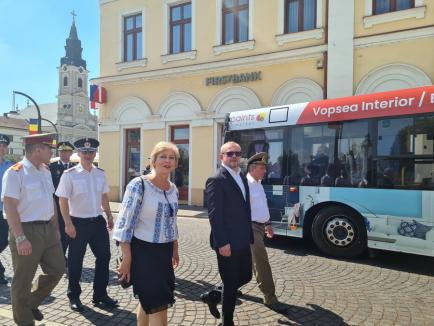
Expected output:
{"points": [[33, 126], [98, 94]]}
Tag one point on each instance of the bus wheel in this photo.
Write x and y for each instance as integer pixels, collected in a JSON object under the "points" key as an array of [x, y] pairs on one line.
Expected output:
{"points": [[339, 232]]}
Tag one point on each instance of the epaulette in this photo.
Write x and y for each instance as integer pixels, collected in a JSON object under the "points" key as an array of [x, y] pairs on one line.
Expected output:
{"points": [[17, 166], [100, 169]]}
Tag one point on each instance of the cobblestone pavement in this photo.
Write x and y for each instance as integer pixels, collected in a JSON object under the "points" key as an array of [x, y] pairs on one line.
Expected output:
{"points": [[391, 289]]}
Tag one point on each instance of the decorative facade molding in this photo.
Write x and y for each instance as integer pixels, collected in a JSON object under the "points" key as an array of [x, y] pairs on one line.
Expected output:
{"points": [[417, 12], [235, 98], [179, 106], [131, 110], [131, 64], [179, 56], [248, 45], [315, 52], [392, 77], [395, 37], [300, 36], [297, 90]]}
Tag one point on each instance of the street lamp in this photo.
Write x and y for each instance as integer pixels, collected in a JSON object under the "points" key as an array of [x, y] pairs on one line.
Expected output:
{"points": [[36, 105]]}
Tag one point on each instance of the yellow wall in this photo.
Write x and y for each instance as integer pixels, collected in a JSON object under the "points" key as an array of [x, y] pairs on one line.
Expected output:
{"points": [[155, 91], [109, 148], [409, 52], [264, 31], [202, 160]]}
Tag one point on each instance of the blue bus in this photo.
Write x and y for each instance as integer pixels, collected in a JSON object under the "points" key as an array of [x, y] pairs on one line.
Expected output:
{"points": [[349, 173]]}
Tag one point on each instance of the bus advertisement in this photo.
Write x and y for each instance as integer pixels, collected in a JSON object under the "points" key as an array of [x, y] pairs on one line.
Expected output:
{"points": [[349, 173]]}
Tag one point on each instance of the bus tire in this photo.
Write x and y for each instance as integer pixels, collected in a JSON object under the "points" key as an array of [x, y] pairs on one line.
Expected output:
{"points": [[340, 232]]}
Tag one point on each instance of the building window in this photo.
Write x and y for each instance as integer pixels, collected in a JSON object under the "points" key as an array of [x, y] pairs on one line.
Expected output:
{"points": [[65, 81], [235, 21], [180, 28], [385, 6], [133, 37], [132, 154], [300, 15], [80, 83]]}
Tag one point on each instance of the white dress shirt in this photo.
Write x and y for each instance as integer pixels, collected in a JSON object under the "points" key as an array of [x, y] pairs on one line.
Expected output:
{"points": [[258, 201], [84, 190], [33, 188]]}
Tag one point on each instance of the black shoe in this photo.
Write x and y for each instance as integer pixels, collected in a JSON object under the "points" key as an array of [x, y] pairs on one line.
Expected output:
{"points": [[37, 314], [76, 305], [212, 298], [3, 280], [106, 301]]}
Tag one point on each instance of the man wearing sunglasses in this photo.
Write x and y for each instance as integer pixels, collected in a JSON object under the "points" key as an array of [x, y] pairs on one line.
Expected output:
{"points": [[231, 232]]}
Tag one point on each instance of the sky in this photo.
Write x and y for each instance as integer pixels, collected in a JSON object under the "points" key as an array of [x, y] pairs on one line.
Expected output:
{"points": [[32, 40]]}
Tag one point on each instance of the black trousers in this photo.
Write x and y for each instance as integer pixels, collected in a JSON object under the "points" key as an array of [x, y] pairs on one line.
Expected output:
{"points": [[235, 271], [63, 236], [4, 228], [92, 231]]}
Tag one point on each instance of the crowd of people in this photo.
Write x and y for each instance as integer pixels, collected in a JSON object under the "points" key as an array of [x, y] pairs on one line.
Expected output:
{"points": [[53, 211]]}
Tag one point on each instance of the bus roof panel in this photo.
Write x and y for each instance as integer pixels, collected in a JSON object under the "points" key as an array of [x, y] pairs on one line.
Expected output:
{"points": [[386, 104]]}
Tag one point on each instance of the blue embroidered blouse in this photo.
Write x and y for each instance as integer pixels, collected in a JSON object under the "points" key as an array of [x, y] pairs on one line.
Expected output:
{"points": [[154, 220]]}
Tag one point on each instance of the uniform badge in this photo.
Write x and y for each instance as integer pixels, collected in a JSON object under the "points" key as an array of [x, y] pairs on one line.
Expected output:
{"points": [[58, 172], [87, 144]]}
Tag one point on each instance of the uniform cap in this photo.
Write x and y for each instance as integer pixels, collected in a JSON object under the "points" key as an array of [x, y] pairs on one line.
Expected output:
{"points": [[258, 158], [4, 139], [46, 138], [65, 146], [87, 145]]}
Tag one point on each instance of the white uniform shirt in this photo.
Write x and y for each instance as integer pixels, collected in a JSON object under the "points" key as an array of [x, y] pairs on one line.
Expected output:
{"points": [[258, 201], [32, 188], [84, 190], [237, 177]]}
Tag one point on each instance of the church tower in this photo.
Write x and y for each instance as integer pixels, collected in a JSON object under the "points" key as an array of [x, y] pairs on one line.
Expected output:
{"points": [[74, 117]]}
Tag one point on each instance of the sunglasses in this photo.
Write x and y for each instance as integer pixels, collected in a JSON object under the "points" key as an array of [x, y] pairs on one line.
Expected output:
{"points": [[233, 154], [171, 210]]}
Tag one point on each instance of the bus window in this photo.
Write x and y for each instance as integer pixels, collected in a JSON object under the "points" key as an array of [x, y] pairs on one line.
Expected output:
{"points": [[407, 161], [354, 150], [312, 149], [269, 141]]}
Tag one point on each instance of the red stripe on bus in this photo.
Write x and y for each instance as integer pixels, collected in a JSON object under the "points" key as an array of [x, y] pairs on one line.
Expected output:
{"points": [[387, 104]]}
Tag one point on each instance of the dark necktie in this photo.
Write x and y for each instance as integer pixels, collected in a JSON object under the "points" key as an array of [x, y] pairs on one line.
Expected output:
{"points": [[65, 166]]}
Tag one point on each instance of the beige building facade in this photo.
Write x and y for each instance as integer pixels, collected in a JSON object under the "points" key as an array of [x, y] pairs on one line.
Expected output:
{"points": [[173, 69]]}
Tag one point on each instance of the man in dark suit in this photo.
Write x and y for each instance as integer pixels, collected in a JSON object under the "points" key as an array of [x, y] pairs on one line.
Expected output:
{"points": [[56, 168], [231, 232]]}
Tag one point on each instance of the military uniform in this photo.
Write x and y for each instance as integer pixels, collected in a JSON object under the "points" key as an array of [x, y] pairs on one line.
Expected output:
{"points": [[57, 169], [33, 188], [84, 190], [4, 165]]}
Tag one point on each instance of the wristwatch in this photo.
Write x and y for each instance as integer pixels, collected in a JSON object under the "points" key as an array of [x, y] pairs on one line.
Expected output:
{"points": [[20, 239]]}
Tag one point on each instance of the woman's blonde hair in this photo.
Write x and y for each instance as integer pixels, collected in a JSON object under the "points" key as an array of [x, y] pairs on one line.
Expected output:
{"points": [[161, 147]]}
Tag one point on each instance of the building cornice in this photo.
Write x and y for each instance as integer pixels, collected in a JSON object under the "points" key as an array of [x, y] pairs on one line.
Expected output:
{"points": [[382, 39], [255, 60], [103, 2]]}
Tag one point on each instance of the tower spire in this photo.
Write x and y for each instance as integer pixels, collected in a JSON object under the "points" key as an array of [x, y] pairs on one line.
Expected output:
{"points": [[73, 47]]}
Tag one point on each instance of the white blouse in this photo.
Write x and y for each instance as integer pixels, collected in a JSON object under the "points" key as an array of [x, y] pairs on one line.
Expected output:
{"points": [[153, 220]]}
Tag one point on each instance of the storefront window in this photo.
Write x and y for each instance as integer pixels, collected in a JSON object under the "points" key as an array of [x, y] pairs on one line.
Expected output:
{"points": [[132, 154], [180, 135]]}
